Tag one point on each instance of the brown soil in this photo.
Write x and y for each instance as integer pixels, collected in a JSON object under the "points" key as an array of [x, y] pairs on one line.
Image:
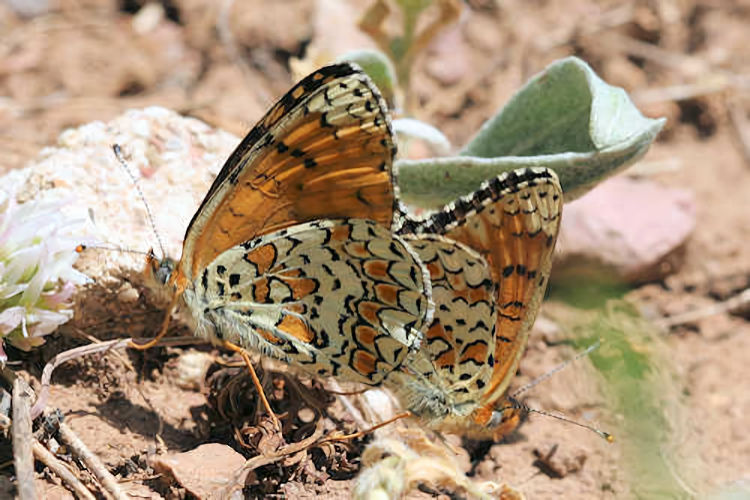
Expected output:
{"points": [[85, 60]]}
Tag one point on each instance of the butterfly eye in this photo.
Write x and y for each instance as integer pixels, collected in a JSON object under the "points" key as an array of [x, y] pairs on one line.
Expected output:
{"points": [[164, 270], [503, 421], [159, 270], [500, 417]]}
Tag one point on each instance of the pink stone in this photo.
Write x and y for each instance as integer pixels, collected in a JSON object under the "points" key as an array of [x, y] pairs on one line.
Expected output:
{"points": [[210, 471], [635, 228]]}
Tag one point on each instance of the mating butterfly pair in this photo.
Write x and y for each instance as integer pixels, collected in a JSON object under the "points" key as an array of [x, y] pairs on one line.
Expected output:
{"points": [[300, 252]]}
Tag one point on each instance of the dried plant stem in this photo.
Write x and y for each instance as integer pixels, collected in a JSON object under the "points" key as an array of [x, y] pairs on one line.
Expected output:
{"points": [[23, 457], [258, 386], [740, 124], [29, 447], [686, 64], [78, 448], [590, 26], [373, 23], [284, 451], [735, 302], [359, 434], [57, 467], [681, 92], [123, 359], [78, 352]]}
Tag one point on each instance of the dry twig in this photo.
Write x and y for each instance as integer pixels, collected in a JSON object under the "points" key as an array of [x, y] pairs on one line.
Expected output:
{"points": [[25, 478], [685, 64], [56, 466], [740, 124], [78, 448], [682, 92], [284, 451], [703, 78], [23, 457], [735, 302]]}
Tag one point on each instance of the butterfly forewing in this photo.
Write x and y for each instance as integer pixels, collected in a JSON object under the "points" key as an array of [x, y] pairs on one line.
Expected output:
{"points": [[513, 221], [323, 151], [336, 297]]}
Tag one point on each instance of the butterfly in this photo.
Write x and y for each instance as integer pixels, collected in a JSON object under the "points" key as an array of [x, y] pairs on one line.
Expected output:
{"points": [[489, 256], [290, 254]]}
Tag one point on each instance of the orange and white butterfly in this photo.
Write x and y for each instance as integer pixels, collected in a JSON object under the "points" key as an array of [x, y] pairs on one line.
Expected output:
{"points": [[291, 254], [488, 271]]}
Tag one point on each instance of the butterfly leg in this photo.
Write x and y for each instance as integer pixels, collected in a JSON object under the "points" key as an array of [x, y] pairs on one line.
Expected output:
{"points": [[162, 332], [359, 434], [256, 381]]}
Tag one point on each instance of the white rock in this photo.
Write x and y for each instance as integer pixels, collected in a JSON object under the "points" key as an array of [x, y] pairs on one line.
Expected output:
{"points": [[174, 159]]}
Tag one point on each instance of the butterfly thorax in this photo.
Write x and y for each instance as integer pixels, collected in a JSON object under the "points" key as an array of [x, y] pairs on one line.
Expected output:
{"points": [[158, 277], [452, 409]]}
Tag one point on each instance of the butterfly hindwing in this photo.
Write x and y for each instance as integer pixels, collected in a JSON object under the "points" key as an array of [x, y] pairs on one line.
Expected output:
{"points": [[456, 355], [513, 222], [339, 297]]}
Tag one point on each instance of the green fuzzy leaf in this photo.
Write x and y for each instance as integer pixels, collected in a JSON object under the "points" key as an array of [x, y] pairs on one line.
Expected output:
{"points": [[565, 118]]}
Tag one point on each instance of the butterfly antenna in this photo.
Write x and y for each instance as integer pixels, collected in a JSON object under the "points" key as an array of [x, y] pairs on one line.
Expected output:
{"points": [[556, 369], [110, 248], [118, 154], [515, 404]]}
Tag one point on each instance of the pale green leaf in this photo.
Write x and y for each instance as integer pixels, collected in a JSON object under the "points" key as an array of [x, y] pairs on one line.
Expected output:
{"points": [[565, 118]]}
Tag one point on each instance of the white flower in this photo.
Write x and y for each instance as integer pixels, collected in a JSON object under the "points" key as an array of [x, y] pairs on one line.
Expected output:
{"points": [[37, 252]]}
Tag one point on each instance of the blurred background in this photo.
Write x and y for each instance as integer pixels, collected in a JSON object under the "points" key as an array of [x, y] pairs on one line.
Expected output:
{"points": [[658, 264]]}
